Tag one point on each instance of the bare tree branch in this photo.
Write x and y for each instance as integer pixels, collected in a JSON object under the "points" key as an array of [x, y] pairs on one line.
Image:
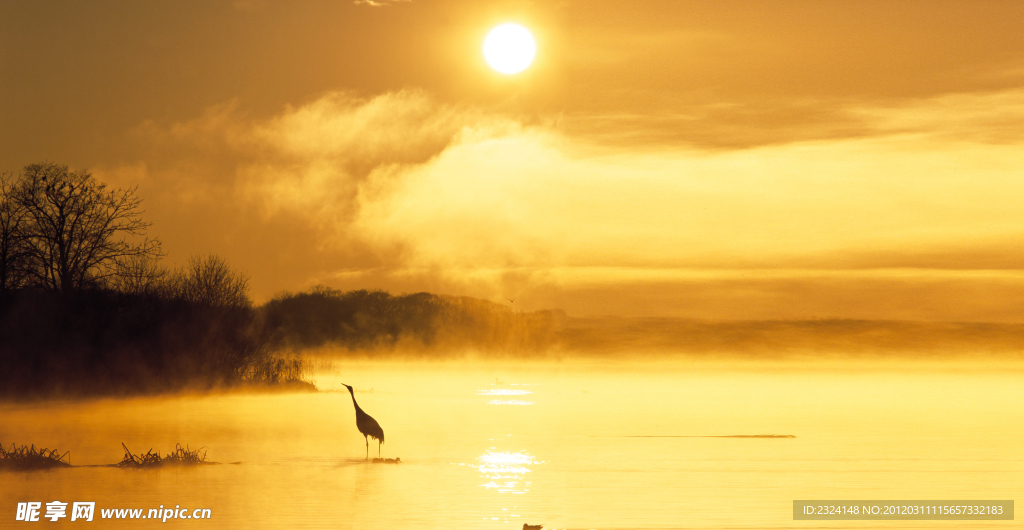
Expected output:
{"points": [[13, 250], [78, 231], [210, 281]]}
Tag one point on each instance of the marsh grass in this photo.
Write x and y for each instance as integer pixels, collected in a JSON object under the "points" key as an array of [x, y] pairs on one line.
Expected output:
{"points": [[27, 457], [181, 456]]}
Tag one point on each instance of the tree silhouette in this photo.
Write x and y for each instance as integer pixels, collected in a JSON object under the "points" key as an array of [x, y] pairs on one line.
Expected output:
{"points": [[77, 231], [139, 275], [13, 255], [210, 281]]}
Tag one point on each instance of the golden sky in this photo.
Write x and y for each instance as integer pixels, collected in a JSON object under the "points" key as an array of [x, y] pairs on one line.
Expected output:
{"points": [[712, 159]]}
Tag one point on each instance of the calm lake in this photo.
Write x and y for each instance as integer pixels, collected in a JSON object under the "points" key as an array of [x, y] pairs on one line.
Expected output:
{"points": [[571, 444]]}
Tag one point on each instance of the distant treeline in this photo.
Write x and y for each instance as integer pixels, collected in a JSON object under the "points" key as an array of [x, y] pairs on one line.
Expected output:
{"points": [[420, 323], [189, 331], [822, 338]]}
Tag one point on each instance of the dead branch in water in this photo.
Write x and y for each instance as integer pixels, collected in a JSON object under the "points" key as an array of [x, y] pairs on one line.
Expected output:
{"points": [[180, 456], [28, 457]]}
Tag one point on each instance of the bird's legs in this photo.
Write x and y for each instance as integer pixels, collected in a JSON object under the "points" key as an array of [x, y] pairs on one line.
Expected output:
{"points": [[367, 446], [378, 448]]}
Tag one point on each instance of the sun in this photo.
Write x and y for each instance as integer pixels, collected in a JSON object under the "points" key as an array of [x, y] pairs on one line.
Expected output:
{"points": [[509, 48]]}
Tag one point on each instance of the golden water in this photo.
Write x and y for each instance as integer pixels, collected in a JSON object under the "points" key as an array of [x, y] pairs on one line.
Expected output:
{"points": [[566, 444]]}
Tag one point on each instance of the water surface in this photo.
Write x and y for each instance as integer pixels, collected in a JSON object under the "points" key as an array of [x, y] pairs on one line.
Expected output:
{"points": [[567, 444]]}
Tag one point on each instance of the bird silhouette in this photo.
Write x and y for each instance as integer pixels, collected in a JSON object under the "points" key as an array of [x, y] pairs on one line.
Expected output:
{"points": [[532, 526], [367, 425]]}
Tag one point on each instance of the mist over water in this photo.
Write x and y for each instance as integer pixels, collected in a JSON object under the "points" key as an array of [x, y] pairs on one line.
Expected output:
{"points": [[570, 444]]}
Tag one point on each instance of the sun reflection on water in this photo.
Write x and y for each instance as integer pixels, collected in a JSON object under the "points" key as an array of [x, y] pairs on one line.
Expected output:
{"points": [[502, 392], [505, 392], [509, 402], [505, 470]]}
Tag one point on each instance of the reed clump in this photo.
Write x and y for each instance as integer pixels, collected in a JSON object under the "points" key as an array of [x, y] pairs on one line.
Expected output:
{"points": [[181, 456], [27, 457]]}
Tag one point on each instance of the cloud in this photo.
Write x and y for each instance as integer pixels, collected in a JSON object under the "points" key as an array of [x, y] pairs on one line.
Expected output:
{"points": [[289, 188], [987, 118], [403, 192]]}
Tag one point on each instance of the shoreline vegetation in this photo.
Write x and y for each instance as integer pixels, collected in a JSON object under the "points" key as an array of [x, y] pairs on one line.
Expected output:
{"points": [[107, 343], [27, 458], [103, 342], [86, 309]]}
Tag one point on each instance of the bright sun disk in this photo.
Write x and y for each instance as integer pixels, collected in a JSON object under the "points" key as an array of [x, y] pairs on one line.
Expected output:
{"points": [[509, 48]]}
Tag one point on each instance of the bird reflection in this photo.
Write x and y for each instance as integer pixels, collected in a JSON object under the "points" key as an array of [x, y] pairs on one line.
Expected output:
{"points": [[367, 425]]}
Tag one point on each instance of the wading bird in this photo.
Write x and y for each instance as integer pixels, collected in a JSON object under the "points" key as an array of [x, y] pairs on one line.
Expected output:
{"points": [[367, 425]]}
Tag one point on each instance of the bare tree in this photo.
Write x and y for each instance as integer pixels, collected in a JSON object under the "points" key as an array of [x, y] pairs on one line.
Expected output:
{"points": [[209, 281], [138, 275], [13, 255], [77, 230]]}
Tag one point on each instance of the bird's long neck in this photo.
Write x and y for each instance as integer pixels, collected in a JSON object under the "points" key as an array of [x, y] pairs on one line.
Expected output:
{"points": [[354, 400]]}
